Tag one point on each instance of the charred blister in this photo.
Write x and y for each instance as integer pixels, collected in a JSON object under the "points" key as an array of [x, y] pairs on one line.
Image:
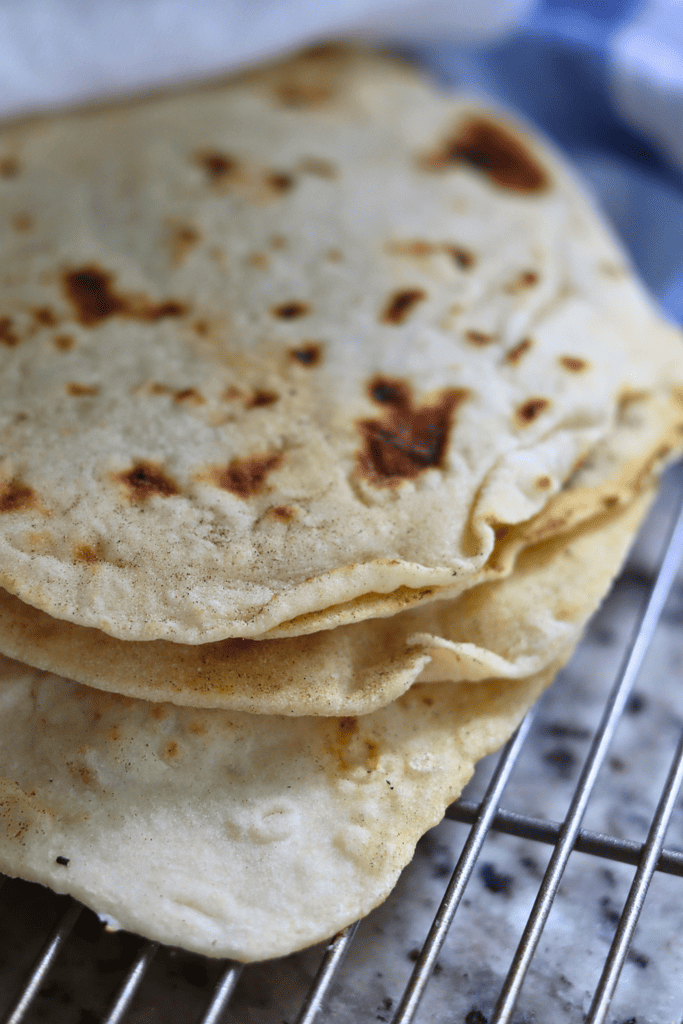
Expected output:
{"points": [[245, 477], [91, 292], [16, 496], [291, 310], [531, 410], [8, 335], [401, 304], [146, 480], [217, 166], [515, 354], [308, 354]]}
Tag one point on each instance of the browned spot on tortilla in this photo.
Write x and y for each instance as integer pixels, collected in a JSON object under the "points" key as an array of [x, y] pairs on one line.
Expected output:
{"points": [[171, 749], [302, 93], [91, 293], [82, 390], [218, 166], [22, 222], [278, 241], [479, 338], [416, 248], [64, 342], [15, 496], [463, 257], [526, 279], [516, 353], [610, 500], [573, 363], [260, 260], [87, 553], [428, 701], [245, 477], [410, 438], [290, 310], [320, 168], [146, 479], [231, 393], [189, 395], [45, 316], [197, 728], [182, 238], [531, 409], [372, 754], [156, 388], [334, 255], [543, 483], [308, 355], [280, 181], [400, 305], [9, 167], [80, 772], [201, 327], [260, 398], [282, 512], [347, 727], [8, 336], [491, 148]]}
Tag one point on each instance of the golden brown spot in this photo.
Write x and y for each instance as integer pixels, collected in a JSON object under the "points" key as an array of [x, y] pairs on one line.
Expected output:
{"points": [[573, 363], [23, 222], [463, 257], [409, 439], [278, 242], [527, 279], [9, 167], [302, 94], [181, 239], [280, 182], [146, 479], [334, 255], [197, 728], [428, 701], [217, 166], [80, 772], [171, 749], [190, 396], [259, 260], [531, 410], [245, 477], [7, 334], [260, 398], [372, 749], [82, 390], [610, 500], [307, 355], [479, 338], [542, 483], [64, 342], [282, 512], [15, 496], [231, 393], [491, 148], [92, 295], [516, 353], [45, 316], [87, 553], [347, 727], [320, 168], [290, 310], [400, 305], [157, 389], [415, 248], [201, 327]]}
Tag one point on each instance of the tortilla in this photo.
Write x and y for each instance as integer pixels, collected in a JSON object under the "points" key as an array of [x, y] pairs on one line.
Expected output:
{"points": [[232, 835], [289, 343], [509, 629]]}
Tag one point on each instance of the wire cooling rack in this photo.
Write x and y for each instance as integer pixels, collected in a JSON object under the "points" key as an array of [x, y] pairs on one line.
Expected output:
{"points": [[523, 947]]}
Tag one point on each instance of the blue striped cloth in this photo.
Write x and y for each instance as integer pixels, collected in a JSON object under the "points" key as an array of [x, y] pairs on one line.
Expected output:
{"points": [[604, 79]]}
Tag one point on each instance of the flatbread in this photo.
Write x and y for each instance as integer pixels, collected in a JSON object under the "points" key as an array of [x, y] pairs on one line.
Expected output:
{"points": [[509, 629], [232, 835], [274, 346]]}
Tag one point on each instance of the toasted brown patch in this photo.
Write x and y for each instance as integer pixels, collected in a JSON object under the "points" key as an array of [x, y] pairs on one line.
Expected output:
{"points": [[491, 148], [16, 496], [526, 279], [260, 398], [302, 93], [401, 304], [347, 728], [463, 257], [531, 410], [320, 168], [416, 248], [82, 390], [181, 239], [410, 438], [245, 477], [291, 310], [542, 483], [171, 749], [308, 355], [189, 396], [64, 342], [91, 292], [334, 255], [282, 512], [8, 335], [259, 260], [280, 181], [231, 393], [87, 553], [479, 338], [516, 353], [217, 166], [23, 222], [145, 480], [9, 167], [573, 363], [201, 327], [45, 316], [278, 241]]}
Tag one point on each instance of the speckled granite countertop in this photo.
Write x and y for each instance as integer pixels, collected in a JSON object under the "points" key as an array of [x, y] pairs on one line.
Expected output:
{"points": [[490, 920]]}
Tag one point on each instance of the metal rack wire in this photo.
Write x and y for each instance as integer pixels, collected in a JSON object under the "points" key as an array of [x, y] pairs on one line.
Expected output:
{"points": [[211, 1004]]}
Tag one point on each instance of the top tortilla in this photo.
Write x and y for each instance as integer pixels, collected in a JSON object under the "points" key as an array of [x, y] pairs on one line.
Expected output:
{"points": [[270, 347]]}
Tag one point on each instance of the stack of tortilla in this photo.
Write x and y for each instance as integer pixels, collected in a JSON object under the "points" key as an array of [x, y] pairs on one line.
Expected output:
{"points": [[328, 410]]}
